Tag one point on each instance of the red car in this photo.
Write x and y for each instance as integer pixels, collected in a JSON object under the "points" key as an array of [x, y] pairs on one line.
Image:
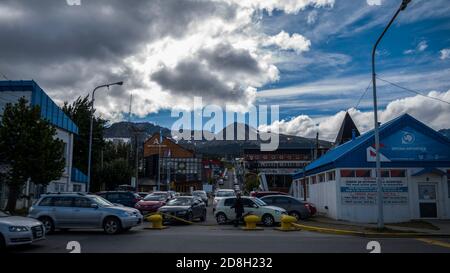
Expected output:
{"points": [[151, 203], [260, 194]]}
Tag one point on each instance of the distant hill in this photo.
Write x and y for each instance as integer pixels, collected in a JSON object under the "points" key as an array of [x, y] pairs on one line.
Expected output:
{"points": [[233, 147], [445, 132]]}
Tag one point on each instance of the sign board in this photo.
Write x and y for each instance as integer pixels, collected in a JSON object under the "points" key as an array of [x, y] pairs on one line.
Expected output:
{"points": [[364, 192], [207, 188]]}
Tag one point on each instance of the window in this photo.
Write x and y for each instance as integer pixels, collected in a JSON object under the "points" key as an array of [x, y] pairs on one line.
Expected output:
{"points": [[331, 176], [63, 201], [248, 203], [269, 200], [81, 202], [385, 173], [398, 173], [321, 178], [282, 200], [347, 173], [362, 173], [229, 202], [46, 202], [76, 188]]}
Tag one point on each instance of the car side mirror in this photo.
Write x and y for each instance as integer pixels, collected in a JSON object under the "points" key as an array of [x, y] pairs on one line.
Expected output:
{"points": [[94, 206]]}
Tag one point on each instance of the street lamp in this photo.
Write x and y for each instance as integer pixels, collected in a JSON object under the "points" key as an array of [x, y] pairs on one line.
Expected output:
{"points": [[375, 113], [90, 131]]}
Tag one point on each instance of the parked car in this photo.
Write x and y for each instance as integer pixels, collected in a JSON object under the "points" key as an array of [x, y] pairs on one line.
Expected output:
{"points": [[185, 207], [252, 205], [202, 195], [260, 194], [166, 194], [77, 210], [16, 230], [151, 203], [294, 207], [143, 194], [125, 198], [222, 193]]}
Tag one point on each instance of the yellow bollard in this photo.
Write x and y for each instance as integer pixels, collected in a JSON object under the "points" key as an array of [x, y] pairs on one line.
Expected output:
{"points": [[156, 220], [251, 221], [286, 223]]}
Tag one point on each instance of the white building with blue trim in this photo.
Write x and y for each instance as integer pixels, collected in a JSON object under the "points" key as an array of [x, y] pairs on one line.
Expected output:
{"points": [[415, 161], [72, 179]]}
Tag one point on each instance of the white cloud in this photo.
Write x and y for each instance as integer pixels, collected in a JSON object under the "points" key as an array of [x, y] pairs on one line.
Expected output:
{"points": [[312, 17], [374, 2], [421, 46], [295, 42], [445, 54], [288, 6], [431, 112]]}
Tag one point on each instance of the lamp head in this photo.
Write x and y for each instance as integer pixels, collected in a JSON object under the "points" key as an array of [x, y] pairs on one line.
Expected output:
{"points": [[405, 4]]}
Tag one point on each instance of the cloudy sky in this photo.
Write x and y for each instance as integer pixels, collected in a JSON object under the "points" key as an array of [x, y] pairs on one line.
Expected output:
{"points": [[311, 57]]}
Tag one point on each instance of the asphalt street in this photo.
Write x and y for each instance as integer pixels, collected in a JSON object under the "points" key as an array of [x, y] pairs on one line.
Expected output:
{"points": [[208, 237]]}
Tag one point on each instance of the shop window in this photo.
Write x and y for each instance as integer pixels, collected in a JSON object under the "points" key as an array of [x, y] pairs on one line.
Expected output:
{"points": [[398, 173], [331, 176], [347, 173], [362, 173]]}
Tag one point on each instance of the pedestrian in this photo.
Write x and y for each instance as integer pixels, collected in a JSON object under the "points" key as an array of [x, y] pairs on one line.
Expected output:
{"points": [[238, 207]]}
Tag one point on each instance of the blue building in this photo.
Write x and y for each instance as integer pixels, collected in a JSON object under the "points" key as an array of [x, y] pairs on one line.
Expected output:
{"points": [[415, 163], [72, 179]]}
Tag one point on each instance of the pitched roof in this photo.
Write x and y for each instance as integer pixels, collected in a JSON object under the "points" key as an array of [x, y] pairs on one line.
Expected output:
{"points": [[346, 132], [338, 152], [50, 111]]}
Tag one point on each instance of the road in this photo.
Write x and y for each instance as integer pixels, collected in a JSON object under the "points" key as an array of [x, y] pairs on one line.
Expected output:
{"points": [[208, 237]]}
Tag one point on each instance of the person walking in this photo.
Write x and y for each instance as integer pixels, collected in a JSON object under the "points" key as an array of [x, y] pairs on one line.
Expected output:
{"points": [[238, 207]]}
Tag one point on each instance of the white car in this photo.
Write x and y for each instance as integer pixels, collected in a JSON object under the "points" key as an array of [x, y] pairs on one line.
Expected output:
{"points": [[16, 230], [222, 194], [252, 205]]}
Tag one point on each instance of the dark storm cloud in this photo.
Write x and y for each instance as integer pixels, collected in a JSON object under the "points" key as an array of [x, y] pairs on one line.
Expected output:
{"points": [[49, 37], [191, 77], [226, 58]]}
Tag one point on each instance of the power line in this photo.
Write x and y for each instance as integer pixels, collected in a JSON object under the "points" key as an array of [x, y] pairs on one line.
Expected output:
{"points": [[413, 91], [364, 94]]}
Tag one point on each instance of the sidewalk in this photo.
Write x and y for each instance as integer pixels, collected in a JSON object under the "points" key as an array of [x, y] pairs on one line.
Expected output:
{"points": [[419, 228]]}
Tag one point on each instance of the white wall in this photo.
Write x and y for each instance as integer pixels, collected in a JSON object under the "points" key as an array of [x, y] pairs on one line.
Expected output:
{"points": [[324, 195]]}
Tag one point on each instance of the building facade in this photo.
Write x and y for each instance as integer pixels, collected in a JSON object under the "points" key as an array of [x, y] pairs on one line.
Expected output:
{"points": [[275, 168], [415, 163], [176, 167], [72, 179]]}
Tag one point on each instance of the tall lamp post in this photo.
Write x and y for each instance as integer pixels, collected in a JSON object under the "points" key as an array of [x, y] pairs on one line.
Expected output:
{"points": [[88, 186], [375, 113]]}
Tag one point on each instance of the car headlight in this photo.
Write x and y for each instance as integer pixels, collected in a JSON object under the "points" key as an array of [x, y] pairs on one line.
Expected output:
{"points": [[182, 212], [127, 213], [18, 229], [277, 212]]}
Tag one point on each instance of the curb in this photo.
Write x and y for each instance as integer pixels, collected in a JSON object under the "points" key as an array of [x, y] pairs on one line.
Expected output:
{"points": [[369, 234]]}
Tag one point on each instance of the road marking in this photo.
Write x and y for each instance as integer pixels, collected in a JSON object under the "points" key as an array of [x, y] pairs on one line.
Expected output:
{"points": [[434, 242]]}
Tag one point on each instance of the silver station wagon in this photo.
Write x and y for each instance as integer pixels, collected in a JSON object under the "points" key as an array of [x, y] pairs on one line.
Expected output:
{"points": [[77, 210]]}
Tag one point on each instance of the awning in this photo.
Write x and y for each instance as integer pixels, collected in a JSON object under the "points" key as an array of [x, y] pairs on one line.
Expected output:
{"points": [[429, 170]]}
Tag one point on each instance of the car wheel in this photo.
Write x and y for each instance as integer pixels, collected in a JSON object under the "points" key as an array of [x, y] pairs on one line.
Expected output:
{"points": [[48, 224], [268, 220], [295, 214], [189, 217], [112, 226], [221, 218]]}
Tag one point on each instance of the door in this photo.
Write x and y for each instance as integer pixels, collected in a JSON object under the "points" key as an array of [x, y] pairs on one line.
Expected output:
{"points": [[62, 211], [84, 215], [428, 200], [250, 207]]}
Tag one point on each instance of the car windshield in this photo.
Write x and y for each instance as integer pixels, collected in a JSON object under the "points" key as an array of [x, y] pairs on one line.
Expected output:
{"points": [[199, 193], [152, 197], [4, 214], [160, 193], [102, 201], [225, 193], [180, 202], [259, 202]]}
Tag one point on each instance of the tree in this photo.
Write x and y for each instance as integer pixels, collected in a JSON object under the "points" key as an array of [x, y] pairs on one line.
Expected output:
{"points": [[116, 172], [80, 112], [29, 147], [251, 182]]}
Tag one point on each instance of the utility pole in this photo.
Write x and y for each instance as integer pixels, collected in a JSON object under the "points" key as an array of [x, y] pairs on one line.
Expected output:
{"points": [[380, 223]]}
